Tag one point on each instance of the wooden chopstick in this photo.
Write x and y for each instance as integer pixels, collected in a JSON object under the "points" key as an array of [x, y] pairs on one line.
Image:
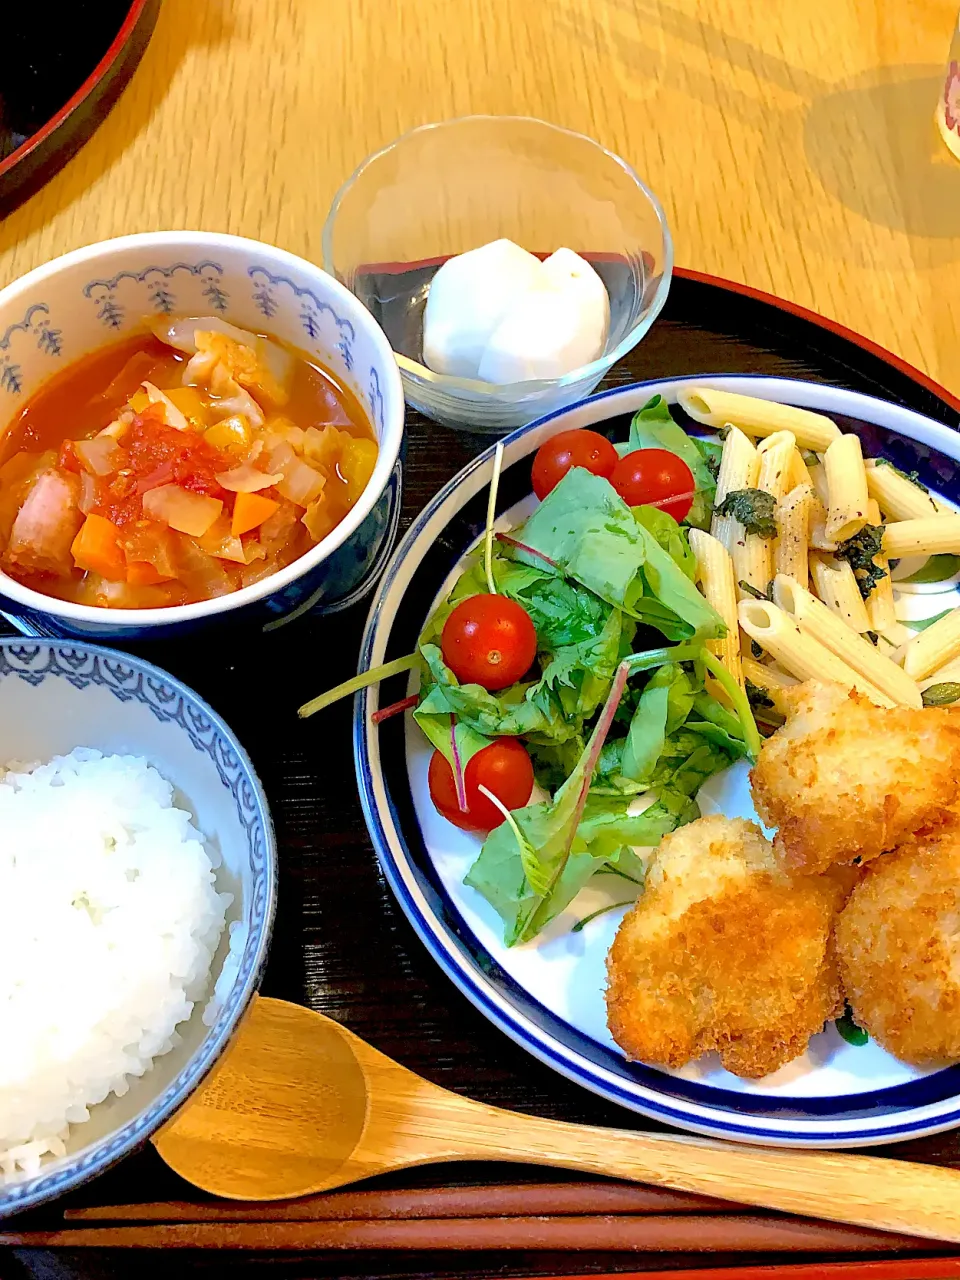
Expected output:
{"points": [[888, 1269], [506, 1200], [672, 1233]]}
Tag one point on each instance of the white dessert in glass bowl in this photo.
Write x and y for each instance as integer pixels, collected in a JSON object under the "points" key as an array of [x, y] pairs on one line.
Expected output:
{"points": [[499, 315]]}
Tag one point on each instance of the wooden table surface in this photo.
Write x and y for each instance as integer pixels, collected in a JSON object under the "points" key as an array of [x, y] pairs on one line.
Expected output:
{"points": [[794, 149], [792, 145]]}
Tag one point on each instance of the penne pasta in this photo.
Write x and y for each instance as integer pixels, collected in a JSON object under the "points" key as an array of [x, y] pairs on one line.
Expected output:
{"points": [[715, 573], [928, 650], [770, 680], [776, 463], [816, 621], [739, 465], [758, 417], [752, 563], [817, 476], [897, 495], [765, 675], [846, 488], [930, 536], [739, 469], [837, 587], [807, 659], [798, 471], [818, 526], [752, 554], [880, 606], [793, 533]]}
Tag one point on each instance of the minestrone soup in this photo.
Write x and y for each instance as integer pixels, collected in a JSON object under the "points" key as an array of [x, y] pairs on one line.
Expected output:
{"points": [[176, 466]]}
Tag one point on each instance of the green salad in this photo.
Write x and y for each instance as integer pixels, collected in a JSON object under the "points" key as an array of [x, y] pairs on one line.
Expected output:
{"points": [[566, 685]]}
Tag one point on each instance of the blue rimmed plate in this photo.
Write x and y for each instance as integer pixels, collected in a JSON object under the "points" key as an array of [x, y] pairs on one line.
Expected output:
{"points": [[548, 995]]}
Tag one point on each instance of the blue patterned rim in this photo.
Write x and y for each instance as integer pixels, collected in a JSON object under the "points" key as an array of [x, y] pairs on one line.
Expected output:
{"points": [[429, 550], [171, 702]]}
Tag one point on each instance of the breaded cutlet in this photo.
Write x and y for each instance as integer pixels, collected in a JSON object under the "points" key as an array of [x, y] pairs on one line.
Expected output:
{"points": [[725, 951]]}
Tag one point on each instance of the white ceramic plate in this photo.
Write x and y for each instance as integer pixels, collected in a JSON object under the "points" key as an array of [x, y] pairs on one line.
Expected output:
{"points": [[548, 994]]}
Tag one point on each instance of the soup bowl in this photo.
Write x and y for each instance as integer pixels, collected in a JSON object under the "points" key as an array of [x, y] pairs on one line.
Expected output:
{"points": [[58, 695], [101, 294]]}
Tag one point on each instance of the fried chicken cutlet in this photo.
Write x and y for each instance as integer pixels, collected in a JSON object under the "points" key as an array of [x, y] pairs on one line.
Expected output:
{"points": [[844, 779], [898, 942], [724, 950]]}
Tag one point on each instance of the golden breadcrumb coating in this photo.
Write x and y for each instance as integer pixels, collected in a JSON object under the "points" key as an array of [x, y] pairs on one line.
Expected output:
{"points": [[898, 941], [724, 950], [845, 779]]}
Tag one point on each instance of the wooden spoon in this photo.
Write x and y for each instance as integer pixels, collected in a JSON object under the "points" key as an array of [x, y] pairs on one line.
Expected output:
{"points": [[300, 1105]]}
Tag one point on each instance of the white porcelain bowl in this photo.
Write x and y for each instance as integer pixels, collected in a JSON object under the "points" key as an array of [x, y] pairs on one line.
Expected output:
{"points": [[57, 695], [100, 294]]}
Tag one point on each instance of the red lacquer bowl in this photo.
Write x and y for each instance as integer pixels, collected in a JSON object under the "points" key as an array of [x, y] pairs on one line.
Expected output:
{"points": [[61, 73]]}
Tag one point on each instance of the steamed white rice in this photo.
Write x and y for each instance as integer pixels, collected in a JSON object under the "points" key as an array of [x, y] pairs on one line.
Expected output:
{"points": [[109, 921]]}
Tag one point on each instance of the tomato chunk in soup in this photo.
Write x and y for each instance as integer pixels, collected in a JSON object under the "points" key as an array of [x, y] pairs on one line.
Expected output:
{"points": [[177, 466]]}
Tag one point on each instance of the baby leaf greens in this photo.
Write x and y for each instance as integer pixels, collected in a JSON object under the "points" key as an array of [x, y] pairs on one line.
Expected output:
{"points": [[614, 713], [653, 427], [592, 536], [678, 736]]}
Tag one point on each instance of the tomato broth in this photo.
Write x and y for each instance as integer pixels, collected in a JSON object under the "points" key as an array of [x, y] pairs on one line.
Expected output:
{"points": [[176, 466]]}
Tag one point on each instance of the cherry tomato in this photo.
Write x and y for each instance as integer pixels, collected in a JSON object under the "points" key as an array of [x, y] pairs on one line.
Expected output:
{"points": [[649, 476], [504, 768], [568, 449], [489, 640]]}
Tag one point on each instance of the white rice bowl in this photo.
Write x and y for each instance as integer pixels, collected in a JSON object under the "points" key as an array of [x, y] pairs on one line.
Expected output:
{"points": [[109, 921]]}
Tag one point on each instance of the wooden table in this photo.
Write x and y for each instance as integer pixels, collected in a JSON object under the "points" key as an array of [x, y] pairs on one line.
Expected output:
{"points": [[792, 145]]}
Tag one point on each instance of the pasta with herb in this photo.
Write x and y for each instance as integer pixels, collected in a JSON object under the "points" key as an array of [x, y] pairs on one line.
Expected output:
{"points": [[715, 573], [802, 655], [756, 416], [739, 470], [898, 495], [819, 623], [837, 588], [793, 529], [846, 488]]}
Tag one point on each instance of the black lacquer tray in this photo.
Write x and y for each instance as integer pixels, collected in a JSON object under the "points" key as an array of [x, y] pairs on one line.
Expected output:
{"points": [[341, 944]]}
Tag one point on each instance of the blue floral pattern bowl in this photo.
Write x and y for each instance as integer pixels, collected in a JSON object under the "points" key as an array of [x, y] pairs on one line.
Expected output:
{"points": [[100, 294], [57, 695]]}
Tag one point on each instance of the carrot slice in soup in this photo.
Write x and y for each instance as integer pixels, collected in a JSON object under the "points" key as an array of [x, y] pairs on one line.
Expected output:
{"points": [[249, 512], [96, 548], [142, 574]]}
